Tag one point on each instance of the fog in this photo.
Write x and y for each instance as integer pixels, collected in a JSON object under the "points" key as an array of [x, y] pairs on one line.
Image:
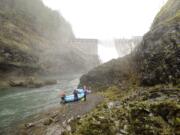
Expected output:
{"points": [[107, 50], [104, 19], [108, 20]]}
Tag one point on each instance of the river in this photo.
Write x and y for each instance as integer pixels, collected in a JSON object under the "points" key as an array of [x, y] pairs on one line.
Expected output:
{"points": [[17, 104]]}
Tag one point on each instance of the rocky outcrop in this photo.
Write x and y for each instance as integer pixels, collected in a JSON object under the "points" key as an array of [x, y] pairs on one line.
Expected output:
{"points": [[115, 72], [167, 13], [28, 28], [141, 112], [155, 60], [158, 56], [31, 82]]}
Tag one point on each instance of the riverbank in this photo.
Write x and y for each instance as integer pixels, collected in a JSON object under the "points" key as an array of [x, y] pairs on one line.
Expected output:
{"points": [[127, 110], [35, 81], [19, 103], [132, 110], [56, 120], [26, 82]]}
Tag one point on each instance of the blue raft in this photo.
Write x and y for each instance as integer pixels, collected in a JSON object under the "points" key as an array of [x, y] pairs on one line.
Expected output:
{"points": [[70, 98]]}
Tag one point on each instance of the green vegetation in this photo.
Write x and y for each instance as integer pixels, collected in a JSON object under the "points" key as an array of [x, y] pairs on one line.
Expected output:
{"points": [[115, 72], [28, 30], [132, 112], [35, 15], [169, 10], [33, 35]]}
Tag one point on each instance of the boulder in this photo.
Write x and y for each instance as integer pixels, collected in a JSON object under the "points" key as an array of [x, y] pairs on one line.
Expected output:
{"points": [[47, 121]]}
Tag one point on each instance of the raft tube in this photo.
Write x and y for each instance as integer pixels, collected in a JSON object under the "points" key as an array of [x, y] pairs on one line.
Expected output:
{"points": [[70, 98]]}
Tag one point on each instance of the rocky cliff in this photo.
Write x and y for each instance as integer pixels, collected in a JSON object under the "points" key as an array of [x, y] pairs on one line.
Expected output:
{"points": [[156, 60], [158, 56], [35, 40]]}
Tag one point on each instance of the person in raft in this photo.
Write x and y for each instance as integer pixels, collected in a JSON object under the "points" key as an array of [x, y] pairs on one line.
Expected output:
{"points": [[85, 92], [63, 95], [75, 93]]}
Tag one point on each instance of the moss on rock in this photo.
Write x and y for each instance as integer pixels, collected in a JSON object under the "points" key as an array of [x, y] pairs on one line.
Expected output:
{"points": [[135, 114]]}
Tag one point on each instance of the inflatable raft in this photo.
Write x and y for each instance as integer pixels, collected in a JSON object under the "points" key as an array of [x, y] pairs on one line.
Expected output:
{"points": [[70, 98]]}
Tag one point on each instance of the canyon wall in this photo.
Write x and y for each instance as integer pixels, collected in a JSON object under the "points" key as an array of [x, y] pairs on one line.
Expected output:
{"points": [[34, 40]]}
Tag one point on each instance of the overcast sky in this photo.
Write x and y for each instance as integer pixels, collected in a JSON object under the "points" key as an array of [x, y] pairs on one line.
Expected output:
{"points": [[108, 18]]}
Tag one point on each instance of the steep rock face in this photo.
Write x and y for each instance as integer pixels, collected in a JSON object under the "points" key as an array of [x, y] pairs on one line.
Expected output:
{"points": [[156, 60], [28, 29], [158, 56], [167, 13], [32, 36], [115, 72]]}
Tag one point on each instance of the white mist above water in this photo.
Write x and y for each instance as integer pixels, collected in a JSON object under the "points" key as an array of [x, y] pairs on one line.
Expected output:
{"points": [[107, 50]]}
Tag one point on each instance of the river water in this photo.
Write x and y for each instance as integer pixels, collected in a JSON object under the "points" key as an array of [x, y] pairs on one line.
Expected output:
{"points": [[17, 104]]}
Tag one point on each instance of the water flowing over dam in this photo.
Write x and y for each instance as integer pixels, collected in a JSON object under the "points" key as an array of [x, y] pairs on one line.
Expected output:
{"points": [[107, 50]]}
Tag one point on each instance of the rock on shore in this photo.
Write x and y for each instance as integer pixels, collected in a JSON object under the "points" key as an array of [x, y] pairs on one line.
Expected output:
{"points": [[57, 120]]}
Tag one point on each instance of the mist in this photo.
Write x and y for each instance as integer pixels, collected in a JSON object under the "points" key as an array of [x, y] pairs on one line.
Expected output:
{"points": [[107, 50], [108, 20]]}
